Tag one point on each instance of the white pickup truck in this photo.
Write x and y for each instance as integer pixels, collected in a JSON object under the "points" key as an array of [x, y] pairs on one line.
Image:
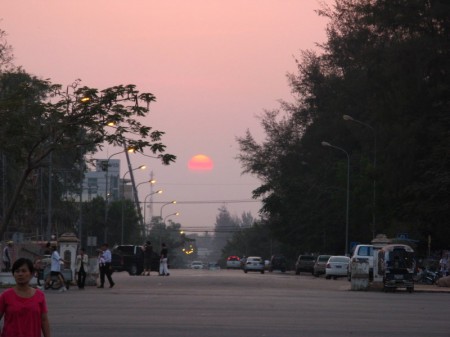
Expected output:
{"points": [[361, 253]]}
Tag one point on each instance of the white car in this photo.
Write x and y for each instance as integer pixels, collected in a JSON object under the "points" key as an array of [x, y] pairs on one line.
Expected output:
{"points": [[197, 265], [336, 267], [254, 263]]}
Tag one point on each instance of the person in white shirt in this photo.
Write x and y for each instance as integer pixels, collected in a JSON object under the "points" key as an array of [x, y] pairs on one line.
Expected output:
{"points": [[106, 268], [443, 265], [55, 269]]}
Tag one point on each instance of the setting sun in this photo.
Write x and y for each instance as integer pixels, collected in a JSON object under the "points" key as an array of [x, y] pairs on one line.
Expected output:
{"points": [[200, 162]]}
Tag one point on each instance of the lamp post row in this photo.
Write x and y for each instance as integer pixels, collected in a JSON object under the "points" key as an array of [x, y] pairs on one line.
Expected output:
{"points": [[327, 144], [350, 118], [348, 191]]}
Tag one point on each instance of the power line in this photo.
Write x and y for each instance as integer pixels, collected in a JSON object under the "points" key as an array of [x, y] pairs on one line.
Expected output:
{"points": [[211, 201]]}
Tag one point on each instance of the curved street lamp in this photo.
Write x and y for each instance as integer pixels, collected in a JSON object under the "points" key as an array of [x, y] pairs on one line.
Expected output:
{"points": [[348, 190], [168, 203], [107, 192], [151, 182], [176, 214], [145, 201], [164, 222], [350, 118]]}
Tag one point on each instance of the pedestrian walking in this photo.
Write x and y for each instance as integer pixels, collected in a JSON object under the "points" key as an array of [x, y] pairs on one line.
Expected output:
{"points": [[163, 267], [81, 267], [7, 254], [55, 270], [106, 269], [23, 307]]}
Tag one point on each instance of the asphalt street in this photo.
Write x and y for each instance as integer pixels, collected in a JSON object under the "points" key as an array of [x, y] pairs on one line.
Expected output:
{"points": [[228, 303]]}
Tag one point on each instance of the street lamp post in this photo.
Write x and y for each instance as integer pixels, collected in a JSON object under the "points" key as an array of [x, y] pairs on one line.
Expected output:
{"points": [[164, 224], [350, 118], [176, 214], [348, 191], [145, 202], [141, 167], [151, 181], [161, 211], [107, 193]]}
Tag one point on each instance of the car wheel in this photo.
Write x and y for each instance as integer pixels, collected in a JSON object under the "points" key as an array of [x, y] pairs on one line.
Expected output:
{"points": [[262, 271], [133, 270], [328, 277], [334, 277], [297, 272], [245, 271]]}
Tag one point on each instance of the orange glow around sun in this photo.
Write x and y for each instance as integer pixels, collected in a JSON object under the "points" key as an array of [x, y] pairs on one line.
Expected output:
{"points": [[200, 162]]}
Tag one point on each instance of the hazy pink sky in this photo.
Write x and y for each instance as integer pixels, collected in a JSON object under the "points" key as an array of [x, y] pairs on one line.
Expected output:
{"points": [[212, 65]]}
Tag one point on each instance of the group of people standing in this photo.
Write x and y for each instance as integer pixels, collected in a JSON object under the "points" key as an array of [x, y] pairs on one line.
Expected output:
{"points": [[147, 251]]}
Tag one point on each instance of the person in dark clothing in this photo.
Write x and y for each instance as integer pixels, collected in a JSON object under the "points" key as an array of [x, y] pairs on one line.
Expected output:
{"points": [[163, 268], [81, 266], [148, 252], [7, 256]]}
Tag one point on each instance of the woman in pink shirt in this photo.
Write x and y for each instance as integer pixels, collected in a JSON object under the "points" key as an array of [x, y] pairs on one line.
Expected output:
{"points": [[24, 308]]}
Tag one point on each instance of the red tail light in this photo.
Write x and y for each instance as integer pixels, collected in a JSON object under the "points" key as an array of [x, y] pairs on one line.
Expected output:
{"points": [[328, 265]]}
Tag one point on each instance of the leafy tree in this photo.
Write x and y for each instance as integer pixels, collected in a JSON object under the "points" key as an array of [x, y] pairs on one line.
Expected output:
{"points": [[6, 52], [255, 240], [224, 228], [385, 63], [40, 118]]}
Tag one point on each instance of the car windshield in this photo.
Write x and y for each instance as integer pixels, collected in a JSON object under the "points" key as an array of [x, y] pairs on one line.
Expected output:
{"points": [[365, 251], [323, 258], [307, 258], [253, 259], [124, 249]]}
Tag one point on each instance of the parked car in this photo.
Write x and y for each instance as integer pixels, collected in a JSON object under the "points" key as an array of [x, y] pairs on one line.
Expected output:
{"points": [[130, 258], [213, 266], [305, 263], [254, 263], [277, 262], [197, 265], [336, 267], [233, 262], [319, 265]]}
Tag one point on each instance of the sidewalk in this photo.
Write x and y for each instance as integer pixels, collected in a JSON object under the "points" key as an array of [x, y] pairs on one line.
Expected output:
{"points": [[430, 288], [419, 288]]}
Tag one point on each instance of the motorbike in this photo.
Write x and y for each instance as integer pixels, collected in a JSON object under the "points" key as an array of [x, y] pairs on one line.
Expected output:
{"points": [[427, 276]]}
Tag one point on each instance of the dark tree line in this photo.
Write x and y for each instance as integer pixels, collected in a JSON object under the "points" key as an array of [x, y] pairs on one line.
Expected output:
{"points": [[386, 64]]}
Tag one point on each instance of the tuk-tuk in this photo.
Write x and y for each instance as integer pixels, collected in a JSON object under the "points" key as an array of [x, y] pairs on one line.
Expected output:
{"points": [[396, 263]]}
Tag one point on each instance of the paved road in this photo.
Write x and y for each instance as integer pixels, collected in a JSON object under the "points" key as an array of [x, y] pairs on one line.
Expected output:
{"points": [[228, 303]]}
